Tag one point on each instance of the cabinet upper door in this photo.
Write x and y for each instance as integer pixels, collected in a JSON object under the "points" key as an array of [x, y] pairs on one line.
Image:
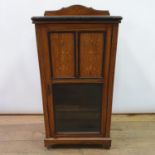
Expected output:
{"points": [[91, 54], [62, 54], [77, 54]]}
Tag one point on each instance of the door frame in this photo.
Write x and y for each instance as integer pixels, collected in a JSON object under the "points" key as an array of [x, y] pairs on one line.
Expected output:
{"points": [[43, 51]]}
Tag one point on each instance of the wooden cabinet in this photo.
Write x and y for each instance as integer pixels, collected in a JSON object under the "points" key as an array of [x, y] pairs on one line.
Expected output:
{"points": [[77, 50]]}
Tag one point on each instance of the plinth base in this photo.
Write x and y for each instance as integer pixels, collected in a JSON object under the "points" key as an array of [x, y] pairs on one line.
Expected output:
{"points": [[105, 142]]}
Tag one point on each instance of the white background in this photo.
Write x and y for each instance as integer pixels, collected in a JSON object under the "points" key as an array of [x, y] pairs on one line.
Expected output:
{"points": [[135, 68]]}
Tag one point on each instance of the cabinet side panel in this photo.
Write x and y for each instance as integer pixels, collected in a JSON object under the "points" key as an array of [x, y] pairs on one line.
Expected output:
{"points": [[62, 54], [39, 40], [91, 54], [111, 76]]}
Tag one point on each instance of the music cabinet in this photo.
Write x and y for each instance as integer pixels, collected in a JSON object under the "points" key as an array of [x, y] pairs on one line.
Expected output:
{"points": [[77, 50]]}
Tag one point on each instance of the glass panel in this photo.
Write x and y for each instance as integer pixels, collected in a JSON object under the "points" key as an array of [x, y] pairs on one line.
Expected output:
{"points": [[77, 107]]}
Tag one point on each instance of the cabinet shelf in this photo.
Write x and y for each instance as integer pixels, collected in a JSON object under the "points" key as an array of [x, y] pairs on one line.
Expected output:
{"points": [[76, 108]]}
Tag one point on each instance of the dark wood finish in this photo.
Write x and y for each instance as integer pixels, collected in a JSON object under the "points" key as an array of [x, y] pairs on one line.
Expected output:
{"points": [[91, 47], [105, 142], [77, 19], [76, 10], [77, 107], [78, 80], [76, 51], [111, 76], [61, 46]]}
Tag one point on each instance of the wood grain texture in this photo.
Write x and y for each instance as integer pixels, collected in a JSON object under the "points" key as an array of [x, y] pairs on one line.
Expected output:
{"points": [[107, 58], [91, 54], [43, 78], [111, 76], [43, 55], [62, 54], [24, 135], [105, 142], [77, 81], [76, 10], [79, 51]]}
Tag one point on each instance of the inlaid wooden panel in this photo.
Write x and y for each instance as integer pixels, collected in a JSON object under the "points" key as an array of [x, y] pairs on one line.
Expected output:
{"points": [[62, 54], [91, 54]]}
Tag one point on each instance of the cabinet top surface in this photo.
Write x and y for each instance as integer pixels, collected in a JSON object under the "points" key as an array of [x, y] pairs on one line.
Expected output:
{"points": [[50, 19], [77, 13]]}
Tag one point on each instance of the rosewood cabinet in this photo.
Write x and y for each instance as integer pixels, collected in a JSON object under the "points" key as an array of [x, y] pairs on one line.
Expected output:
{"points": [[77, 50]]}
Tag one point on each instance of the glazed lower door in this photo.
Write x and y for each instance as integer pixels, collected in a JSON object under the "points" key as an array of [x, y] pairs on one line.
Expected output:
{"points": [[77, 108]]}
